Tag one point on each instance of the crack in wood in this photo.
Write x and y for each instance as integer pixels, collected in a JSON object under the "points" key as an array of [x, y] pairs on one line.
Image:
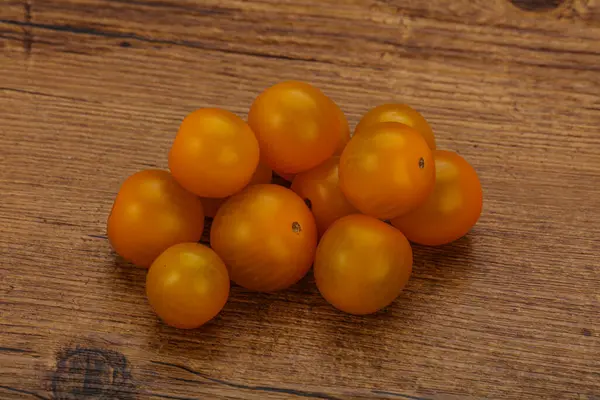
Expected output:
{"points": [[22, 391], [14, 350], [537, 5], [172, 397], [411, 50], [104, 237], [268, 389], [177, 5], [27, 34], [397, 395], [36, 93], [141, 38]]}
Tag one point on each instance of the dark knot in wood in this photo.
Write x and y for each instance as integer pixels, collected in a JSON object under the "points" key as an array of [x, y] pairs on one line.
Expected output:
{"points": [[88, 373]]}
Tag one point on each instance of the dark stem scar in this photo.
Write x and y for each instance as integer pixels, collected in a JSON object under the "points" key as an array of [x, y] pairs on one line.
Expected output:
{"points": [[296, 228], [421, 163], [537, 5], [92, 373]]}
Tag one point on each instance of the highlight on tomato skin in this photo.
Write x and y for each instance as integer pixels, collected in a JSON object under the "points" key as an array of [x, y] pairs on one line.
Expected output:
{"points": [[297, 126], [187, 285], [362, 264], [401, 113], [151, 213], [266, 236], [387, 170], [214, 153], [319, 187], [451, 210]]}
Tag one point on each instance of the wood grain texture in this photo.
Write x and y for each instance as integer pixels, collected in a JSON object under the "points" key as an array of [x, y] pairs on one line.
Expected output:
{"points": [[93, 90]]}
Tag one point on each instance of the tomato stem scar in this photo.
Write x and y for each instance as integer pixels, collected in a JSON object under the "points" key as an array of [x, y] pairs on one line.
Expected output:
{"points": [[296, 228]]}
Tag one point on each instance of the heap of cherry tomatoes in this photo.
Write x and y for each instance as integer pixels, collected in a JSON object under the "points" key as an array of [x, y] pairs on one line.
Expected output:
{"points": [[354, 204]]}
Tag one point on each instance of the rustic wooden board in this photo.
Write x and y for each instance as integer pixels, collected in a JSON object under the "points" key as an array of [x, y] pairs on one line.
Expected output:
{"points": [[93, 90]]}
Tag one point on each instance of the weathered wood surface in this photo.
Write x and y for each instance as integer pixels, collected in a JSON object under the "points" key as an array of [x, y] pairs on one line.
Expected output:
{"points": [[93, 90]]}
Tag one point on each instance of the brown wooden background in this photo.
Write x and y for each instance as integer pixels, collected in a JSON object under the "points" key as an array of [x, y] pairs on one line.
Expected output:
{"points": [[94, 90]]}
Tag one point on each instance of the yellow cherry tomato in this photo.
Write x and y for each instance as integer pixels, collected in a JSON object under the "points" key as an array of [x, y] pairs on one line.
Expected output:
{"points": [[267, 237], [398, 113], [151, 213], [362, 264], [387, 170], [451, 210], [297, 126], [187, 285], [214, 154]]}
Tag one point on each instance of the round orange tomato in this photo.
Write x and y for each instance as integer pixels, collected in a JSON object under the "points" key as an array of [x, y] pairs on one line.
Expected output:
{"points": [[267, 237], [387, 170], [187, 285], [297, 126], [362, 264], [452, 209], [214, 154], [151, 213], [319, 187], [398, 113], [263, 174]]}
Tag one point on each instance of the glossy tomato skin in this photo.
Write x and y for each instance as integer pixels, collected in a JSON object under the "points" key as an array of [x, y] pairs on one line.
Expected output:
{"points": [[266, 236], [263, 174], [319, 187], [387, 170], [362, 264], [187, 285], [151, 213], [214, 153], [401, 113], [297, 126], [451, 210]]}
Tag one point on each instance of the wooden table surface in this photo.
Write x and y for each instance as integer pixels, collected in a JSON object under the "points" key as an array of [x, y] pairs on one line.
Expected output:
{"points": [[94, 90]]}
